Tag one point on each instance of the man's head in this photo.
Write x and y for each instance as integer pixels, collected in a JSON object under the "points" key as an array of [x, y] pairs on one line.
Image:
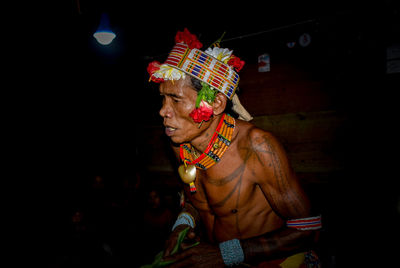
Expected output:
{"points": [[195, 85]]}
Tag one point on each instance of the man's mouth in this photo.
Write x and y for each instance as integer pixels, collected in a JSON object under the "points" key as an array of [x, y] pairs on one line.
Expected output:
{"points": [[169, 130]]}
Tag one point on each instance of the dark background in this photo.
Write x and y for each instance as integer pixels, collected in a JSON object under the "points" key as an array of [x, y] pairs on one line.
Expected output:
{"points": [[108, 84], [104, 111]]}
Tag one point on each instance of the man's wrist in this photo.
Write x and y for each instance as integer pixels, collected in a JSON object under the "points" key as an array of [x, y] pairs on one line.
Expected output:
{"points": [[232, 252]]}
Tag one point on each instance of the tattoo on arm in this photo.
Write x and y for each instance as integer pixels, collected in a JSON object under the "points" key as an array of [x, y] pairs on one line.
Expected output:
{"points": [[192, 211], [277, 244], [267, 155]]}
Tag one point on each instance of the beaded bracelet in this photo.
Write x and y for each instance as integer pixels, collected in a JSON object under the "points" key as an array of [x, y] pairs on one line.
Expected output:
{"points": [[232, 252], [184, 218], [310, 223]]}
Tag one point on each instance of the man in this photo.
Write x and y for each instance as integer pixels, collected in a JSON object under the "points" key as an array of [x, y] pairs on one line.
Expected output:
{"points": [[242, 200]]}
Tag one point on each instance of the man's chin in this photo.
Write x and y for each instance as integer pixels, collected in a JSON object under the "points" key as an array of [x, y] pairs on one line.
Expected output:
{"points": [[175, 144], [176, 140]]}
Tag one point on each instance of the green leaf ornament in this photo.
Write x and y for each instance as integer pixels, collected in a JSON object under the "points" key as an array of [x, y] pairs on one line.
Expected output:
{"points": [[158, 262], [207, 93]]}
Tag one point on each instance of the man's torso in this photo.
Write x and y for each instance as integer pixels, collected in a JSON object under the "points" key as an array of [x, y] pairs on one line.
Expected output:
{"points": [[230, 202]]}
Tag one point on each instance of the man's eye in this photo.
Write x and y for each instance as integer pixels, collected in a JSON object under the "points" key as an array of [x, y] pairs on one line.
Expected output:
{"points": [[176, 100]]}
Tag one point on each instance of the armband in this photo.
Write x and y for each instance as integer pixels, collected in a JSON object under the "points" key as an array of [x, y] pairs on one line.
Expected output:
{"points": [[311, 223], [184, 218], [232, 252]]}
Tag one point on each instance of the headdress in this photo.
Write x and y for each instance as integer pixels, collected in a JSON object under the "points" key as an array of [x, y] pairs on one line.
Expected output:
{"points": [[216, 67]]}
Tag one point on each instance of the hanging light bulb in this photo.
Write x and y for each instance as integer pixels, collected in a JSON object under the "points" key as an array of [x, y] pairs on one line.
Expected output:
{"points": [[104, 35]]}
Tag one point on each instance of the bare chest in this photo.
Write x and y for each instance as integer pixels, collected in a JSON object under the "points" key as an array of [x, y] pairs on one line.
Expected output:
{"points": [[222, 193]]}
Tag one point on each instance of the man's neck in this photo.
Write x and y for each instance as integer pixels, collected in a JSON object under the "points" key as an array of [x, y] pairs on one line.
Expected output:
{"points": [[201, 142]]}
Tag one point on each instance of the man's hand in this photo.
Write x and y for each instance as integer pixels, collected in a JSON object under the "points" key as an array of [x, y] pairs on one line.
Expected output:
{"points": [[202, 255], [189, 239]]}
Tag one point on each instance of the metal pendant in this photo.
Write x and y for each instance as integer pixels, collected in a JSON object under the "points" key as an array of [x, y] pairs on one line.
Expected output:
{"points": [[187, 173]]}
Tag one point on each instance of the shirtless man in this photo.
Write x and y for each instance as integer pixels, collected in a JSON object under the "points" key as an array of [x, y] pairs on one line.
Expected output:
{"points": [[246, 200]]}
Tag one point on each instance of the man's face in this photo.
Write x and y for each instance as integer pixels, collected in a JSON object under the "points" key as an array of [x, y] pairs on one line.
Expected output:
{"points": [[179, 99]]}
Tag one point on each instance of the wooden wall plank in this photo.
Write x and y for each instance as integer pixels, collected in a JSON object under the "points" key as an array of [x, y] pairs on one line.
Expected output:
{"points": [[284, 89], [303, 127]]}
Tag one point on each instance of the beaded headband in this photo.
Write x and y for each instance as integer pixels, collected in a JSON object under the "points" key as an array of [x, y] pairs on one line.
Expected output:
{"points": [[204, 67], [215, 66]]}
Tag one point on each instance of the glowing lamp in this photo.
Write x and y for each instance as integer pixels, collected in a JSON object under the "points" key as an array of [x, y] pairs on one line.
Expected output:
{"points": [[104, 35], [104, 38]]}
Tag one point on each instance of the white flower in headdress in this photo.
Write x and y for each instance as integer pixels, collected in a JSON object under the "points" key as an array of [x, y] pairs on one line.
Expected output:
{"points": [[222, 54], [168, 73]]}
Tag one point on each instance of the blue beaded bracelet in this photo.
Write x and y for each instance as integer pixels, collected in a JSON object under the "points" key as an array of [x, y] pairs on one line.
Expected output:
{"points": [[184, 218], [232, 252]]}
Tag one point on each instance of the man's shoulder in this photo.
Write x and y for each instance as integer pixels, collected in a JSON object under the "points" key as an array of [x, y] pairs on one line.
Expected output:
{"points": [[252, 133]]}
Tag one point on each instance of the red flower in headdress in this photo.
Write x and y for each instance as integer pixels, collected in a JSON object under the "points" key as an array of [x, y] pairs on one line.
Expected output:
{"points": [[203, 113], [154, 67], [188, 38], [236, 63]]}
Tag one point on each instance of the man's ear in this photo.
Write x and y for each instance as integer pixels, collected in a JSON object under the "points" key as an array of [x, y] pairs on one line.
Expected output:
{"points": [[219, 103]]}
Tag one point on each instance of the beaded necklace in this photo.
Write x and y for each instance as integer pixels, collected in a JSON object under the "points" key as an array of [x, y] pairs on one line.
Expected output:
{"points": [[217, 146]]}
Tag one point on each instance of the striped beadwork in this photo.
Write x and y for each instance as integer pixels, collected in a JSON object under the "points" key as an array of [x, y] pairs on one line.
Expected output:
{"points": [[219, 142], [311, 223], [204, 67]]}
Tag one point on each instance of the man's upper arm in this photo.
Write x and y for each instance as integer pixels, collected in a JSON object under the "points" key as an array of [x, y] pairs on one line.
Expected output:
{"points": [[276, 177]]}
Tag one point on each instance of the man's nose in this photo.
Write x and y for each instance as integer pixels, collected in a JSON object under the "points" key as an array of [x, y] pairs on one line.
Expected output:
{"points": [[165, 111]]}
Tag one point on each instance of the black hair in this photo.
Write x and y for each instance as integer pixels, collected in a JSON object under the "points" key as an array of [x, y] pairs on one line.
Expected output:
{"points": [[196, 83]]}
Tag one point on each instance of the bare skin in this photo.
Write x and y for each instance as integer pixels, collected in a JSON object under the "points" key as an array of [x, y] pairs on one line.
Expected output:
{"points": [[248, 195]]}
